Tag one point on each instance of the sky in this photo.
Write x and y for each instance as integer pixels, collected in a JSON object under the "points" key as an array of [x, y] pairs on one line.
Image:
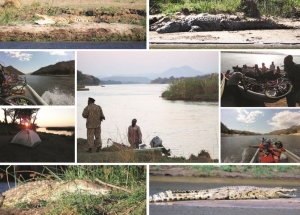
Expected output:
{"points": [[49, 117], [260, 120], [112, 63], [30, 61]]}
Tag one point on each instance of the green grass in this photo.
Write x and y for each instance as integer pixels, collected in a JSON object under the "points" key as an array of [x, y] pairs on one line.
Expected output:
{"points": [[196, 89], [275, 7], [132, 178]]}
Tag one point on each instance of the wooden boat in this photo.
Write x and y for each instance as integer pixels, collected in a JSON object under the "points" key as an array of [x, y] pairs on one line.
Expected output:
{"points": [[286, 157], [123, 146]]}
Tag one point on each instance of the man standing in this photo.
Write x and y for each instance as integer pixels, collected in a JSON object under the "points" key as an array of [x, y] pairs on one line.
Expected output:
{"points": [[134, 134], [293, 73], [232, 85], [94, 115], [272, 67]]}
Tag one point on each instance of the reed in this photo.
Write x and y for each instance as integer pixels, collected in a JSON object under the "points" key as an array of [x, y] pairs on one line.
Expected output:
{"points": [[195, 89]]}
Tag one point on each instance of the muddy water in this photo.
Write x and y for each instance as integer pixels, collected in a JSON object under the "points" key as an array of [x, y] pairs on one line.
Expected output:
{"points": [[4, 186], [235, 149], [226, 207], [73, 45]]}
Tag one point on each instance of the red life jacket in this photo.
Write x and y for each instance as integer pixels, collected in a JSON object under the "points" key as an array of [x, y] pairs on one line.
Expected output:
{"points": [[276, 155]]}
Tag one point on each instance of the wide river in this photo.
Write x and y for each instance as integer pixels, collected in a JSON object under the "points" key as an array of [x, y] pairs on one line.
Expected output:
{"points": [[55, 90], [228, 60], [185, 127], [235, 148], [211, 207]]}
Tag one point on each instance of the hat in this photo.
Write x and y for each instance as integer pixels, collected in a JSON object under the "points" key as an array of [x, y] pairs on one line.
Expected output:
{"points": [[91, 99]]}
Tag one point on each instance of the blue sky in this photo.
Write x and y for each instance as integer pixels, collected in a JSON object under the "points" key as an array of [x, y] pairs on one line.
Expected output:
{"points": [[260, 120], [110, 63], [30, 61]]}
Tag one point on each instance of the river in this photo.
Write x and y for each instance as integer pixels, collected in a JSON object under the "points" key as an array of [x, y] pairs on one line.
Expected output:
{"points": [[228, 60], [60, 132], [73, 45], [236, 150], [55, 90], [185, 127], [226, 207]]}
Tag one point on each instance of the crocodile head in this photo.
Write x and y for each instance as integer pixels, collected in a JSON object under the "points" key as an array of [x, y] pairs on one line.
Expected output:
{"points": [[86, 186], [280, 192], [170, 27]]}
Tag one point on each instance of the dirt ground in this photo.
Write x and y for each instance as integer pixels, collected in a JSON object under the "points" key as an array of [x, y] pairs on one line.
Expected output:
{"points": [[283, 38], [120, 21], [187, 171], [54, 148]]}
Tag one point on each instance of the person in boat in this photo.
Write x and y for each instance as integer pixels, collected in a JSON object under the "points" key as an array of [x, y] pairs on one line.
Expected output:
{"points": [[293, 74], [265, 151], [278, 70], [134, 134], [227, 74], [157, 142], [277, 151], [272, 67], [94, 115], [244, 69], [232, 85], [257, 71], [264, 69], [261, 145]]}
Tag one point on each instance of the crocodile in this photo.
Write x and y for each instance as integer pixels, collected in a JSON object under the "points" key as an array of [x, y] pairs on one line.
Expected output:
{"points": [[229, 192], [48, 190], [207, 22], [65, 19]]}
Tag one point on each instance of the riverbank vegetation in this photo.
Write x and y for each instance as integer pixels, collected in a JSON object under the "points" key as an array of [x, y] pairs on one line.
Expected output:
{"points": [[194, 89], [282, 8], [113, 154], [130, 200], [228, 171], [226, 131]]}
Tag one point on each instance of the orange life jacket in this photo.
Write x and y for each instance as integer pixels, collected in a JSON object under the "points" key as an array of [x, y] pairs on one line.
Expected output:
{"points": [[276, 155], [266, 158]]}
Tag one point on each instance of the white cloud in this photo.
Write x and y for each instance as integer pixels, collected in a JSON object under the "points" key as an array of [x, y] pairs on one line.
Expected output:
{"points": [[247, 116], [61, 53], [22, 56], [285, 119]]}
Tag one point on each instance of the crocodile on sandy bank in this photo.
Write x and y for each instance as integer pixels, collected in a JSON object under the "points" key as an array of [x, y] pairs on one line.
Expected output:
{"points": [[208, 22], [65, 19], [230, 192], [48, 190]]}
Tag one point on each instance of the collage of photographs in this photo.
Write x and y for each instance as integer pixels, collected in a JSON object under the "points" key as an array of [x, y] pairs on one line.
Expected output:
{"points": [[149, 107]]}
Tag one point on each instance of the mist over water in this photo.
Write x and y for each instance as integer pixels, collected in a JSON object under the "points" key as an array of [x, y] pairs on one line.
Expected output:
{"points": [[185, 127]]}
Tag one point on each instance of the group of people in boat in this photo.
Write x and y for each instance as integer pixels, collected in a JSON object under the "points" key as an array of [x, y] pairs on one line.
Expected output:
{"points": [[269, 153], [292, 73]]}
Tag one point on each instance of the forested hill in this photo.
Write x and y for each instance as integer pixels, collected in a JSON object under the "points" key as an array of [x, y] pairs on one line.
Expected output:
{"points": [[60, 68], [291, 130], [87, 80], [171, 79], [226, 130], [13, 70]]}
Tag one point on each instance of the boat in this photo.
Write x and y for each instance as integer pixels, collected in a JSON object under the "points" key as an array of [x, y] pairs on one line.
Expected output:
{"points": [[222, 84], [286, 157], [156, 149], [141, 149]]}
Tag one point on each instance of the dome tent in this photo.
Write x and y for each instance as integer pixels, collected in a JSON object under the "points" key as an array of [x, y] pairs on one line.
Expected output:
{"points": [[27, 138]]}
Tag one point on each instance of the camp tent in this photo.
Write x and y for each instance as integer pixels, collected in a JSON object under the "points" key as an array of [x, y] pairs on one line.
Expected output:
{"points": [[27, 138]]}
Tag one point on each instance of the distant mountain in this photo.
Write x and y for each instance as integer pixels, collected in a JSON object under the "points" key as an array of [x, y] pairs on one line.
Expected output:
{"points": [[110, 82], [128, 80], [290, 130], [11, 69], [60, 68], [86, 80], [171, 79], [184, 71], [226, 130]]}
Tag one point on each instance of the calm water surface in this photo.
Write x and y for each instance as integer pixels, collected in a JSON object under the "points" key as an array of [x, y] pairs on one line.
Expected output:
{"points": [[185, 127], [235, 148], [159, 184], [228, 60], [73, 45], [53, 89], [68, 133]]}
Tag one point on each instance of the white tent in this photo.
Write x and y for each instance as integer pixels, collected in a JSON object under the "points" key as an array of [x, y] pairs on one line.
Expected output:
{"points": [[27, 138]]}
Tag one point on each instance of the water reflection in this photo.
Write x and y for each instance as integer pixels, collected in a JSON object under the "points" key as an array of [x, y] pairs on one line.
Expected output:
{"points": [[60, 132]]}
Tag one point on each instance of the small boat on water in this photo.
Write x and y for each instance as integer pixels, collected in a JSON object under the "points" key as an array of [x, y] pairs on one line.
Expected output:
{"points": [[286, 157]]}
